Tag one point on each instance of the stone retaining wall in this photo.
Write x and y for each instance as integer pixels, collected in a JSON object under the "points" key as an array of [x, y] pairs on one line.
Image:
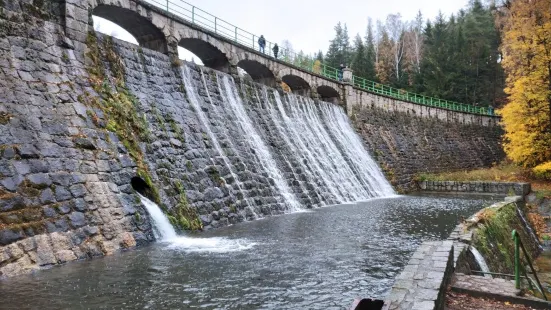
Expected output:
{"points": [[406, 144], [422, 283], [503, 188]]}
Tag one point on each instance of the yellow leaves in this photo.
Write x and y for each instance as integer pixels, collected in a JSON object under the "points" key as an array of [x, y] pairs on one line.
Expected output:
{"points": [[285, 87], [527, 62]]}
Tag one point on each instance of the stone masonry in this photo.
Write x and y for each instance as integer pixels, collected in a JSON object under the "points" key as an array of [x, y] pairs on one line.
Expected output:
{"points": [[502, 188], [422, 283], [406, 144]]}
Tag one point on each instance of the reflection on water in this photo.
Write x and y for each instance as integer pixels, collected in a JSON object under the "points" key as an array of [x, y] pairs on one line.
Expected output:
{"points": [[315, 260]]}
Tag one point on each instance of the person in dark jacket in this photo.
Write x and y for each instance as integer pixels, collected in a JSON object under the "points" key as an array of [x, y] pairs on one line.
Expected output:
{"points": [[261, 43], [275, 49], [340, 73]]}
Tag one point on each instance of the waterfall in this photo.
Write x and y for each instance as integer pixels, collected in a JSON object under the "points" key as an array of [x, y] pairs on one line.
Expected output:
{"points": [[256, 142], [285, 153], [528, 227], [162, 229], [480, 261]]}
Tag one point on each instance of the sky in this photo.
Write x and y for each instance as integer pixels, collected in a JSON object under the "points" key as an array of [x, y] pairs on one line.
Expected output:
{"points": [[307, 24]]}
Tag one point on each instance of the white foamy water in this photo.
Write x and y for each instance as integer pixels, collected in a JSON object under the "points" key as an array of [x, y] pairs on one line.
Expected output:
{"points": [[480, 261], [213, 245], [162, 229], [164, 232]]}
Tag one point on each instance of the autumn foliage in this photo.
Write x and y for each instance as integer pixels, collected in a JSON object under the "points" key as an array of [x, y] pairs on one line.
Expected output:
{"points": [[526, 48]]}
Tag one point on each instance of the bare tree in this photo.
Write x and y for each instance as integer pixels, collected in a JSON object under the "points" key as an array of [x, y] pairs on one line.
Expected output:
{"points": [[395, 28], [416, 41]]}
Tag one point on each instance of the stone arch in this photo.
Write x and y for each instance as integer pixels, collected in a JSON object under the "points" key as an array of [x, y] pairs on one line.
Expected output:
{"points": [[211, 55], [297, 84], [329, 94], [142, 28], [258, 71]]}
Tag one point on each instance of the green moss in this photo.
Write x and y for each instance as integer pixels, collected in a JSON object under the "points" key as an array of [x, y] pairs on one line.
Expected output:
{"points": [[120, 108], [65, 57], [176, 130], [138, 217], [215, 175], [185, 216], [493, 238], [151, 192], [189, 165]]}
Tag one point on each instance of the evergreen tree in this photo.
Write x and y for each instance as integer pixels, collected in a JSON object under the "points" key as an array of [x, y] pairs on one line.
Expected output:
{"points": [[370, 72], [359, 60], [339, 48]]}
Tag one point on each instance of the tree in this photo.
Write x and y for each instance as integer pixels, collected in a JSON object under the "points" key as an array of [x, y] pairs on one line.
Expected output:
{"points": [[384, 65], [526, 48], [339, 48], [370, 72], [359, 61], [396, 35]]}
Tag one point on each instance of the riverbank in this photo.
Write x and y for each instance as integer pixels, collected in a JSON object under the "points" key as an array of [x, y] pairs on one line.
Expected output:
{"points": [[480, 243]]}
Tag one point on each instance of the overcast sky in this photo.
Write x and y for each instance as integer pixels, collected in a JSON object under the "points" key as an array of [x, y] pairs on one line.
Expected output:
{"points": [[308, 24]]}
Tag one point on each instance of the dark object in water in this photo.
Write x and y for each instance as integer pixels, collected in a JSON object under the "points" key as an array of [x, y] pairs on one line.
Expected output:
{"points": [[369, 304]]}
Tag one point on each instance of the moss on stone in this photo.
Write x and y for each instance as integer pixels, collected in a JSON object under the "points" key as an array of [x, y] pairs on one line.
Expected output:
{"points": [[120, 108], [493, 238], [183, 215]]}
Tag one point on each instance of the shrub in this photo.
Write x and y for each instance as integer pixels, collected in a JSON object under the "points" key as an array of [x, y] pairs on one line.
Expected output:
{"points": [[543, 171]]}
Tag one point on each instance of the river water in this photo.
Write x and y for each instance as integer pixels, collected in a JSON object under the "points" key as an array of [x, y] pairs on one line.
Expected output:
{"points": [[321, 259]]}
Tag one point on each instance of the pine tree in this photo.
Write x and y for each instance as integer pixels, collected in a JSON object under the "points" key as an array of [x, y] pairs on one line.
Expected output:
{"points": [[370, 72], [339, 48]]}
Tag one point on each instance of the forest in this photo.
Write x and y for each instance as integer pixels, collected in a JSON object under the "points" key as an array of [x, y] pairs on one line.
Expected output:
{"points": [[456, 58], [495, 54]]}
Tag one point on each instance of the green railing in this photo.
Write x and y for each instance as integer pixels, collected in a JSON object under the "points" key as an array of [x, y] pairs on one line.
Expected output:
{"points": [[518, 267], [223, 28]]}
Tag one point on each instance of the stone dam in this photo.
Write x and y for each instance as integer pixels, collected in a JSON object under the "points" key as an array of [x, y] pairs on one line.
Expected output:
{"points": [[85, 124]]}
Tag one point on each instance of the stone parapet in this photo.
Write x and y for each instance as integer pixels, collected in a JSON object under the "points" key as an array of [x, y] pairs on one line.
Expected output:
{"points": [[503, 188], [422, 283]]}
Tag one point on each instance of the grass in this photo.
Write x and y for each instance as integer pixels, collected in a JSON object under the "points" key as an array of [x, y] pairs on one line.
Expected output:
{"points": [[503, 172]]}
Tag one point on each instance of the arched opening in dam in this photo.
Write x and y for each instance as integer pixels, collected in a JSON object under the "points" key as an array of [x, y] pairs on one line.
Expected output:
{"points": [[329, 94], [297, 84], [210, 55], [258, 72], [142, 30]]}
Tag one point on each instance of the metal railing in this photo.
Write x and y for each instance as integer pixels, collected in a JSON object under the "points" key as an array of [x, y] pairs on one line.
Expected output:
{"points": [[225, 29], [518, 246]]}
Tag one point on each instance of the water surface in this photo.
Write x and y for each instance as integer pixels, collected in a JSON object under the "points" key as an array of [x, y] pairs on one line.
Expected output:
{"points": [[311, 260]]}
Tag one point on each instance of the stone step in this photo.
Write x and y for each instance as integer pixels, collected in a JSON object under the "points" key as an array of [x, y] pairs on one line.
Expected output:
{"points": [[494, 288]]}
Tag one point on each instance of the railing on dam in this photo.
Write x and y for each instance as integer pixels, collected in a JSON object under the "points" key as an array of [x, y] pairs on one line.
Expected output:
{"points": [[223, 28]]}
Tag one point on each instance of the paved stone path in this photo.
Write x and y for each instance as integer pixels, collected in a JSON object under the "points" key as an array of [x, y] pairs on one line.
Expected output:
{"points": [[421, 285]]}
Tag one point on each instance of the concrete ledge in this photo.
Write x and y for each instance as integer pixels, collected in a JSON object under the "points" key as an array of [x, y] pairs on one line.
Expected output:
{"points": [[497, 289], [422, 283], [503, 188]]}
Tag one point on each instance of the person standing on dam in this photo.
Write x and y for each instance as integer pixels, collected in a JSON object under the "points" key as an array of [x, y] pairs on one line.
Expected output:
{"points": [[261, 43], [275, 49]]}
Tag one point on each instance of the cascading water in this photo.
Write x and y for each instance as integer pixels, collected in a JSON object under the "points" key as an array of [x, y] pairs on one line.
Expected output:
{"points": [[256, 142], [285, 153], [480, 261], [162, 229]]}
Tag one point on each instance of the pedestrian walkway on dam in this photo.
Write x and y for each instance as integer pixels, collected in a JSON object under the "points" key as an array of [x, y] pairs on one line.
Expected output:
{"points": [[155, 33]]}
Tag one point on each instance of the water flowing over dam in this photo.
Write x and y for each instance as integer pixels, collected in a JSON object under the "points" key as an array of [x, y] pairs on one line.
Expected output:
{"points": [[306, 153]]}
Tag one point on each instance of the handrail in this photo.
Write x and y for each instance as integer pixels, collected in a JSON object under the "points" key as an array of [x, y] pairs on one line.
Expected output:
{"points": [[221, 27], [518, 244]]}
